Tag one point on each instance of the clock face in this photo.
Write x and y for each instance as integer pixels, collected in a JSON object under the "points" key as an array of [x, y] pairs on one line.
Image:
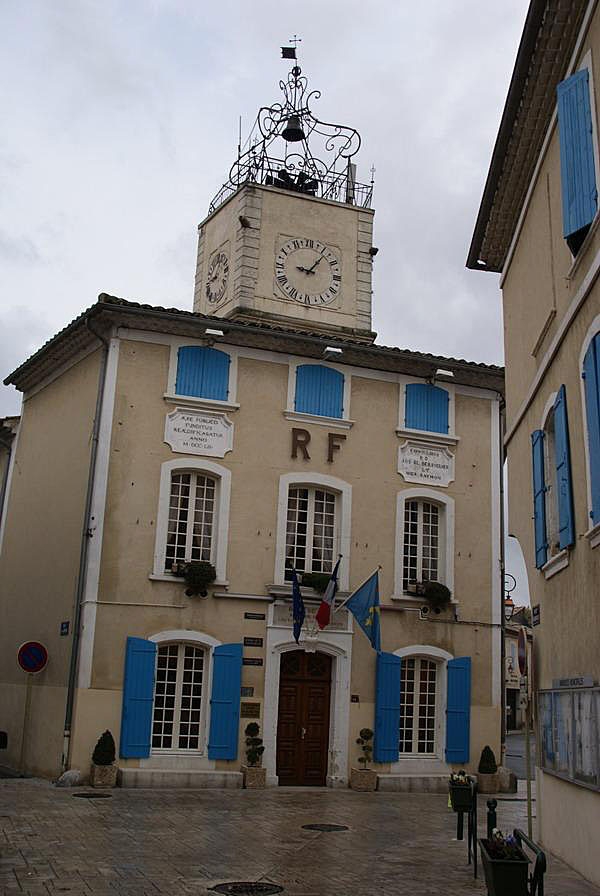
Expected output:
{"points": [[218, 276], [308, 272]]}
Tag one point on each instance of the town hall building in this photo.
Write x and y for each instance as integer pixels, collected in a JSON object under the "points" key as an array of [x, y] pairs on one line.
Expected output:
{"points": [[262, 432]]}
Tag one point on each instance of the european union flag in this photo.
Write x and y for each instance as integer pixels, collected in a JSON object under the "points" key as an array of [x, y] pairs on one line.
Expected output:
{"points": [[364, 606], [297, 607]]}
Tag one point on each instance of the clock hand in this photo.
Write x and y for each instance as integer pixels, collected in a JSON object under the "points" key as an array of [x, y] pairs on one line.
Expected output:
{"points": [[312, 270], [305, 270]]}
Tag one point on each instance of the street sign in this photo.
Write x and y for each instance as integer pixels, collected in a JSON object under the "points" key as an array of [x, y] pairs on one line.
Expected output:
{"points": [[32, 657], [522, 651], [535, 615]]}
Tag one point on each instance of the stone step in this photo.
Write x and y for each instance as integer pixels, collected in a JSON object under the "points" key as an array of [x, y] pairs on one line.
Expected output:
{"points": [[179, 779], [413, 783]]}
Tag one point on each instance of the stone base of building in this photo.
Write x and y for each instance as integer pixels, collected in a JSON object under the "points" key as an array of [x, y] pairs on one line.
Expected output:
{"points": [[413, 783], [179, 779]]}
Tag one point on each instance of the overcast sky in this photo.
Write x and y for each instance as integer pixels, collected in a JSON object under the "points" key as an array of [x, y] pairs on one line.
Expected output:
{"points": [[120, 122]]}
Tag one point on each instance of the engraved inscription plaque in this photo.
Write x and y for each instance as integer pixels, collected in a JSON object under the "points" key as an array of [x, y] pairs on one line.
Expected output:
{"points": [[188, 431], [426, 463]]}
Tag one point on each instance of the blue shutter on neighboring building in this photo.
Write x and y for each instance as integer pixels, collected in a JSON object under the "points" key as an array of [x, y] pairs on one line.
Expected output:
{"points": [[387, 708], [458, 709], [539, 497], [591, 376], [577, 170], [138, 698], [319, 390], [426, 407], [202, 372], [566, 521], [225, 702]]}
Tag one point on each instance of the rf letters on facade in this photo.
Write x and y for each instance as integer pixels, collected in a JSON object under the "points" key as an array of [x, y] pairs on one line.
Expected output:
{"points": [[199, 432], [426, 464]]}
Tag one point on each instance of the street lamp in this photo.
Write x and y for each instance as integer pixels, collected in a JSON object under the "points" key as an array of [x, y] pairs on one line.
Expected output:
{"points": [[509, 608], [510, 583]]}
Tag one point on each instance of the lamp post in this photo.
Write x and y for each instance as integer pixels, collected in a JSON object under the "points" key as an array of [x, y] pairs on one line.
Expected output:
{"points": [[509, 583]]}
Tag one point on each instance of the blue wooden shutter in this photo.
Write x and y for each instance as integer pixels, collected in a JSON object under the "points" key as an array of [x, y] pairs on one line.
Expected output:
{"points": [[539, 497], [577, 171], [562, 456], [591, 376], [138, 697], [225, 702], [458, 709], [387, 708], [426, 407], [202, 372], [319, 390]]}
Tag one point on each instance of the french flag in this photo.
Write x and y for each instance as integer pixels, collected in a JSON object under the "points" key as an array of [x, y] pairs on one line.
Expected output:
{"points": [[323, 614]]}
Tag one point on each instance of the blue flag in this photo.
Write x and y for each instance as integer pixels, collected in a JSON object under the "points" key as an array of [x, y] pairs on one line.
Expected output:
{"points": [[297, 607], [364, 606]]}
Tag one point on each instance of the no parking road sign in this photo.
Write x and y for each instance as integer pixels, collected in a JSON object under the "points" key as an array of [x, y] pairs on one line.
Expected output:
{"points": [[32, 657]]}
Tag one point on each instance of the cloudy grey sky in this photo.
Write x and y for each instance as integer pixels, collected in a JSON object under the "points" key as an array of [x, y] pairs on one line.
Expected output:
{"points": [[120, 123]]}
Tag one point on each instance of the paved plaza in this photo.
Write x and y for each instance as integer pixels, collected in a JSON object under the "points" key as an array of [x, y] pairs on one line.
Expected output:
{"points": [[184, 842]]}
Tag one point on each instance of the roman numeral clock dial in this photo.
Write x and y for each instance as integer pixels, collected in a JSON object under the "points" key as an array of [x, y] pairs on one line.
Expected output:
{"points": [[308, 272]]}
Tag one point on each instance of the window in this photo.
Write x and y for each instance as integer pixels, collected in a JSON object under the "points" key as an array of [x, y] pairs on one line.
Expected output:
{"points": [[319, 391], [311, 532], [577, 163], [177, 712], [554, 522], [421, 543], [591, 383], [202, 372], [569, 721], [426, 407], [418, 699], [193, 515], [424, 540]]}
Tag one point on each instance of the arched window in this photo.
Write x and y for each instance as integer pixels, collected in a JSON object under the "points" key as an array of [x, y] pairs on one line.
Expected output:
{"points": [[591, 383], [179, 701], [419, 706], [424, 540], [311, 531]]}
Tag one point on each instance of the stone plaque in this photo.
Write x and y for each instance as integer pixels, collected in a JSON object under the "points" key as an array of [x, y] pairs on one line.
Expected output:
{"points": [[252, 661], [188, 431], [247, 692], [253, 642], [250, 710], [254, 615], [425, 463]]}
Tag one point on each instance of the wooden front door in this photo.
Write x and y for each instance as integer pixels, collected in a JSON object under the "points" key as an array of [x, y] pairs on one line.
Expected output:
{"points": [[303, 724]]}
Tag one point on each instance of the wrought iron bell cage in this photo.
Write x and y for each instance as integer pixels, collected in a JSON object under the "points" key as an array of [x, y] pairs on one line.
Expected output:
{"points": [[290, 148]]}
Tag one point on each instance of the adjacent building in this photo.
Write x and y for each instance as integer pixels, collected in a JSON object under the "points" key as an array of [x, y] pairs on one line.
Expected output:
{"points": [[262, 432], [538, 227]]}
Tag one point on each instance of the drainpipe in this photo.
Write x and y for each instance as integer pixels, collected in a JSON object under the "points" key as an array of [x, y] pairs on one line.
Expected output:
{"points": [[83, 551], [501, 455]]}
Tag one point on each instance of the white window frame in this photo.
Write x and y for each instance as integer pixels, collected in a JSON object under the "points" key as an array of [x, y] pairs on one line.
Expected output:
{"points": [[221, 518], [343, 511], [171, 395], [446, 538], [208, 643], [408, 762], [449, 438], [343, 422], [593, 532]]}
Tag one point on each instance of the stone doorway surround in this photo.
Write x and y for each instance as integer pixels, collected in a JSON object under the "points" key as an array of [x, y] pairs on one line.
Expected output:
{"points": [[335, 640]]}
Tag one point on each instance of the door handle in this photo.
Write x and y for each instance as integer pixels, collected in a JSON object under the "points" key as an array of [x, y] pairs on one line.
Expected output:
{"points": [[302, 733]]}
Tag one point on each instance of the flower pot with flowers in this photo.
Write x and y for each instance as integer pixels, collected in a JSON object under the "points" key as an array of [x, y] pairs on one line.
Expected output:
{"points": [[364, 779], [255, 777], [504, 865], [461, 794], [487, 772]]}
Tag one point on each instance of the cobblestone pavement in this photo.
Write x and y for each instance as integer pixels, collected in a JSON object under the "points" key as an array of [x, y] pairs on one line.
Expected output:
{"points": [[184, 842]]}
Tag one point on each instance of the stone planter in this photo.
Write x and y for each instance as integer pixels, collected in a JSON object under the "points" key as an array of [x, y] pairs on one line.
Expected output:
{"points": [[103, 775], [363, 779], [504, 877], [487, 783], [255, 778]]}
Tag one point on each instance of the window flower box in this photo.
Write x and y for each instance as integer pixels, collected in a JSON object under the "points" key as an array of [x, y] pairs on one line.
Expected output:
{"points": [[505, 866]]}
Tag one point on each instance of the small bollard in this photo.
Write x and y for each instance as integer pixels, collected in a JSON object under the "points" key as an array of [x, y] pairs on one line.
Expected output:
{"points": [[491, 817]]}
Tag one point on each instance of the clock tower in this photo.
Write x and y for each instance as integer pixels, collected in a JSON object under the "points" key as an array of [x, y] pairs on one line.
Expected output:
{"points": [[288, 239]]}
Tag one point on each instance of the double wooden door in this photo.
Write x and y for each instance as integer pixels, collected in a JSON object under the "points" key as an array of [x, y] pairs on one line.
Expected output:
{"points": [[303, 724]]}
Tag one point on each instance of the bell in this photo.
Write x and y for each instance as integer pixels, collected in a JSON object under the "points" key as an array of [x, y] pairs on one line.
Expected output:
{"points": [[293, 132]]}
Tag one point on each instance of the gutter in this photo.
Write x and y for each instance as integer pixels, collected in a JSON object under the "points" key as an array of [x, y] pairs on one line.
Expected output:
{"points": [[86, 534]]}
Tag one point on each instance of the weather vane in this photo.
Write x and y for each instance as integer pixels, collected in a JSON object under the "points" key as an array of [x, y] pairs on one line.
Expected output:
{"points": [[290, 148]]}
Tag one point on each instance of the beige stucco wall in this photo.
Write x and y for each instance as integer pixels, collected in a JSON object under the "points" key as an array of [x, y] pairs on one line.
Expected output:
{"points": [[261, 454], [40, 558]]}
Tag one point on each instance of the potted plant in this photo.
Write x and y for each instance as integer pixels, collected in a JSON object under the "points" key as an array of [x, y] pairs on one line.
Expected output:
{"points": [[364, 779], [461, 794], [504, 865], [436, 594], [198, 575], [103, 772], [487, 772], [318, 581], [255, 777]]}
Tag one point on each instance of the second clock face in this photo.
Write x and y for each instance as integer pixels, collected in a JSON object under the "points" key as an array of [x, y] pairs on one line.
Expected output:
{"points": [[308, 271]]}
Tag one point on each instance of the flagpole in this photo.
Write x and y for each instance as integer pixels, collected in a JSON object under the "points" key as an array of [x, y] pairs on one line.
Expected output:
{"points": [[344, 602]]}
